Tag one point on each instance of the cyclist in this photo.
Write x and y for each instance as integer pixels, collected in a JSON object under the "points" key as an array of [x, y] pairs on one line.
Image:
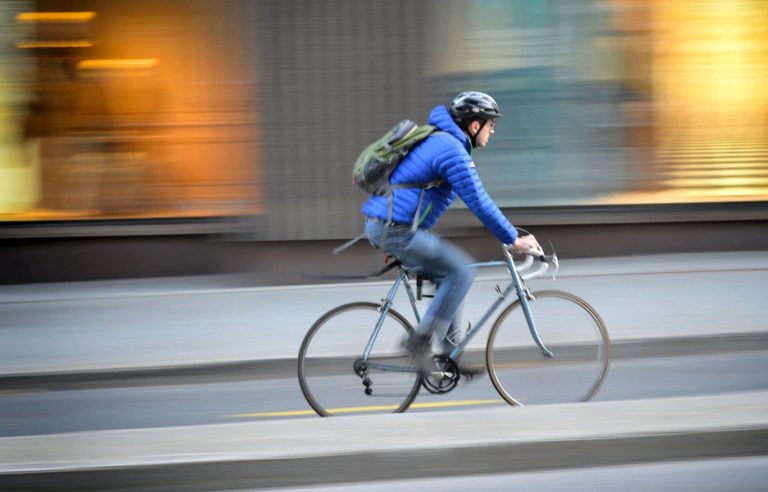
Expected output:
{"points": [[466, 124]]}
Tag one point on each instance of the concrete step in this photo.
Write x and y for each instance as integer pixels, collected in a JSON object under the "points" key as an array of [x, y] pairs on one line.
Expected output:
{"points": [[305, 451], [239, 370]]}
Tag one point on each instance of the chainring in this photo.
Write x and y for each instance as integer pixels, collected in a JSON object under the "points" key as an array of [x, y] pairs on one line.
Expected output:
{"points": [[442, 376]]}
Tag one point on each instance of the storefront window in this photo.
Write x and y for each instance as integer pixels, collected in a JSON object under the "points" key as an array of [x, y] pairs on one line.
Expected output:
{"points": [[134, 110], [617, 102]]}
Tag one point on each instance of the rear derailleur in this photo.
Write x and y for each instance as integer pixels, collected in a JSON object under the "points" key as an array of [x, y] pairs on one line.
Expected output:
{"points": [[361, 369]]}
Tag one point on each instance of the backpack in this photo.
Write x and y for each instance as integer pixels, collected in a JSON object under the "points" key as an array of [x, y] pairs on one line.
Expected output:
{"points": [[378, 161]]}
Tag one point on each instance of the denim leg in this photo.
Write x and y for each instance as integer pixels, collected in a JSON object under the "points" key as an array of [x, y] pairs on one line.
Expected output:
{"points": [[454, 330], [444, 262]]}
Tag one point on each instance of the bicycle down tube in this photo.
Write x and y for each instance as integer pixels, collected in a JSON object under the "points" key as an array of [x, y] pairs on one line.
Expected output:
{"points": [[515, 285], [471, 333]]}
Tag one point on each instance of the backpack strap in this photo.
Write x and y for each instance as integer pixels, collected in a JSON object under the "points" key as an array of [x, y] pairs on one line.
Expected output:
{"points": [[391, 201], [390, 211], [348, 244], [424, 187], [391, 205]]}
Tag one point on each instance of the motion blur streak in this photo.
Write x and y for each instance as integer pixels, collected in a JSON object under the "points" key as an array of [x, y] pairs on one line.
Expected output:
{"points": [[199, 110]]}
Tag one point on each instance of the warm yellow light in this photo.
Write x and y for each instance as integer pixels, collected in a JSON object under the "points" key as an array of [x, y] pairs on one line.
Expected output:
{"points": [[55, 17], [716, 182], [713, 54], [717, 173], [121, 64], [54, 44]]}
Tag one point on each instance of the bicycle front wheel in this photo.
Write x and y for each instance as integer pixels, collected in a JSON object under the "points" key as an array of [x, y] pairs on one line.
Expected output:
{"points": [[571, 329], [337, 378]]}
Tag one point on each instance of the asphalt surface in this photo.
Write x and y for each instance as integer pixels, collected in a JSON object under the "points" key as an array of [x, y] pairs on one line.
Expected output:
{"points": [[33, 412], [186, 383]]}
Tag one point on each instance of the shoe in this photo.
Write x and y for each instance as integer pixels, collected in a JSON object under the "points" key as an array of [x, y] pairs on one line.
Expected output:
{"points": [[469, 372], [418, 344], [419, 347]]}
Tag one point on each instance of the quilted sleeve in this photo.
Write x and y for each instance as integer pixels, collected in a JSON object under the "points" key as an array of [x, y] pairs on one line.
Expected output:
{"points": [[459, 170]]}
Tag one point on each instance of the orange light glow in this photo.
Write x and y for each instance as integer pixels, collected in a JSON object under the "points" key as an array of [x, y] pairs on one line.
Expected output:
{"points": [[54, 44], [119, 64], [74, 17], [711, 62]]}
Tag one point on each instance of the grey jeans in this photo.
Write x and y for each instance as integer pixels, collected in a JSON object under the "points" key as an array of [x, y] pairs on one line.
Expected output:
{"points": [[442, 262]]}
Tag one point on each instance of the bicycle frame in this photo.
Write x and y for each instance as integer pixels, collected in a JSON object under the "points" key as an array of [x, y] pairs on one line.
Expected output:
{"points": [[517, 284]]}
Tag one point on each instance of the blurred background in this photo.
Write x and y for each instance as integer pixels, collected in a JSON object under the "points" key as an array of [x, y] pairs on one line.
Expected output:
{"points": [[239, 120], [174, 172]]}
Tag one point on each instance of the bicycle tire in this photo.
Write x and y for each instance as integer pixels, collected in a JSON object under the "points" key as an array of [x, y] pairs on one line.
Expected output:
{"points": [[326, 368], [568, 326]]}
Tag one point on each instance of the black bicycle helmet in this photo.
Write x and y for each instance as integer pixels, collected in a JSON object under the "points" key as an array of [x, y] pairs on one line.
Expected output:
{"points": [[472, 105]]}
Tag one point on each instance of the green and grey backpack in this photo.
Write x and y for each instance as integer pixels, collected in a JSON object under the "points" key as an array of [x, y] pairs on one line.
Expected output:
{"points": [[375, 165], [378, 161]]}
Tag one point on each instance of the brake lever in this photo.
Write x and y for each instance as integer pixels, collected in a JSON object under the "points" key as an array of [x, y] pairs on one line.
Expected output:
{"points": [[552, 259], [539, 254]]}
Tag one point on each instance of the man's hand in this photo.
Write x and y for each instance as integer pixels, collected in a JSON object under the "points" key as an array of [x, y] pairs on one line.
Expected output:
{"points": [[526, 243]]}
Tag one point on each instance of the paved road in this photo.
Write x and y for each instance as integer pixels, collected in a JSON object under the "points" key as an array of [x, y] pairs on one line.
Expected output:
{"points": [[33, 412]]}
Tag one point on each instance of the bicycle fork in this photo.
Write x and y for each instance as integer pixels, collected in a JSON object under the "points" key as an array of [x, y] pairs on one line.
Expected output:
{"points": [[524, 295]]}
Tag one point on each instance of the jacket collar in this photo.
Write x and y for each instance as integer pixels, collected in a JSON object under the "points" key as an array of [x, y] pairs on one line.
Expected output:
{"points": [[442, 119]]}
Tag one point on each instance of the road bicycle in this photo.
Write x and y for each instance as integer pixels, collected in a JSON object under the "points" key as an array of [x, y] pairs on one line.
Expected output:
{"points": [[544, 347]]}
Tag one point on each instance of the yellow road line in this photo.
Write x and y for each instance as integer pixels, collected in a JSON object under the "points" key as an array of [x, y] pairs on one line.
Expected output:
{"points": [[375, 408]]}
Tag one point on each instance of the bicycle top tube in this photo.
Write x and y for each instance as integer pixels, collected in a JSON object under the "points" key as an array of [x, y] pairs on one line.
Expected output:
{"points": [[496, 263], [487, 264], [544, 261], [418, 269]]}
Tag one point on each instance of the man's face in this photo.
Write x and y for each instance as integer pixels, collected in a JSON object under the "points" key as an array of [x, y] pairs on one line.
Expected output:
{"points": [[481, 140]]}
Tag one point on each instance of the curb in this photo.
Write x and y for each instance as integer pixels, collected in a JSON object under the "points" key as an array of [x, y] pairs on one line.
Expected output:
{"points": [[366, 467], [381, 447], [280, 368]]}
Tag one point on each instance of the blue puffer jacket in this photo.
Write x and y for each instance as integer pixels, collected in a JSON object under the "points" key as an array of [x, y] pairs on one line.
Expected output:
{"points": [[441, 156]]}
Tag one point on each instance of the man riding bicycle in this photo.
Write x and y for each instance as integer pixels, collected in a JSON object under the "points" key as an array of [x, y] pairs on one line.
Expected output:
{"points": [[444, 157]]}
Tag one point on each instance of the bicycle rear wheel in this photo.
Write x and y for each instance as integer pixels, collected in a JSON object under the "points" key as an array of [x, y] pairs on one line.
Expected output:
{"points": [[571, 329], [333, 374]]}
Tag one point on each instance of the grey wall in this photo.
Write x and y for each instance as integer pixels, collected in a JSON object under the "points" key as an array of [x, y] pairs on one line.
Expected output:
{"points": [[335, 75]]}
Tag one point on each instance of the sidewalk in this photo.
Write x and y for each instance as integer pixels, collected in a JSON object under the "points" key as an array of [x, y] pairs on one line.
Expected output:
{"points": [[380, 447], [183, 322], [622, 265]]}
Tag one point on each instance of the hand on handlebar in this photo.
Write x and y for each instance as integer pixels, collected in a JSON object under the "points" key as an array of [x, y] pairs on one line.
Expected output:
{"points": [[527, 244]]}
